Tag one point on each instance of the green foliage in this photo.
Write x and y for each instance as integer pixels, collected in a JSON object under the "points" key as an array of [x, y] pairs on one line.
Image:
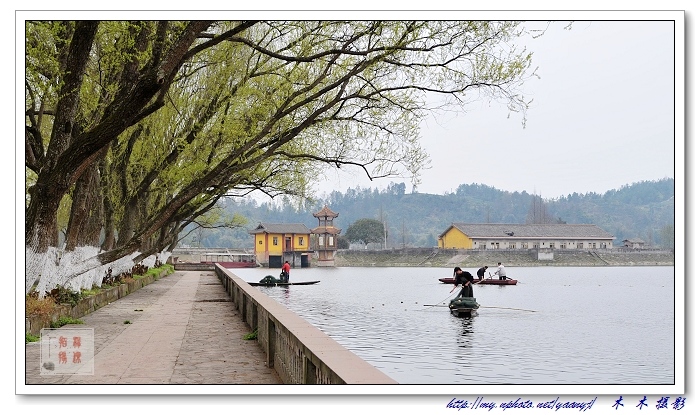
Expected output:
{"points": [[88, 293], [64, 295], [251, 336], [668, 237], [343, 243], [63, 320], [155, 271], [366, 231], [297, 97], [30, 338]]}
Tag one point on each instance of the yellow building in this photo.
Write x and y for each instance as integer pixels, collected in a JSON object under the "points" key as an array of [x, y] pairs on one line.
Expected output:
{"points": [[278, 242], [454, 238]]}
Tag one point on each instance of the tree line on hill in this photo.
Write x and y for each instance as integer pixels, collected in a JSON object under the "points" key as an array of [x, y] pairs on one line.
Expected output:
{"points": [[643, 210]]}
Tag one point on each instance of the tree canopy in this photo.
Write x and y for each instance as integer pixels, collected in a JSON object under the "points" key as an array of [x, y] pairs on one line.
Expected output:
{"points": [[366, 231], [134, 129]]}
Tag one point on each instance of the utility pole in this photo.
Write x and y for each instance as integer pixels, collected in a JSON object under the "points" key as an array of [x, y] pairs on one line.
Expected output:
{"points": [[403, 234], [381, 219]]}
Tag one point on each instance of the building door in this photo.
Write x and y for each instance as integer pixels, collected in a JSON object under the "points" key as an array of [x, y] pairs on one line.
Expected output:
{"points": [[287, 243]]}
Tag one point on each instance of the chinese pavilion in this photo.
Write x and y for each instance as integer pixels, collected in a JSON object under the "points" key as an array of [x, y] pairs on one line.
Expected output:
{"points": [[326, 237]]}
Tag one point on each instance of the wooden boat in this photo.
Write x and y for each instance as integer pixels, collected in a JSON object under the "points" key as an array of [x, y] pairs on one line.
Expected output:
{"points": [[270, 281], [485, 281], [230, 259], [274, 284], [464, 306]]}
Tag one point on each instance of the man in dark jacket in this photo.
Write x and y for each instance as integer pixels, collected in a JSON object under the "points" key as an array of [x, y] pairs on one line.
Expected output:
{"points": [[465, 279], [480, 273]]}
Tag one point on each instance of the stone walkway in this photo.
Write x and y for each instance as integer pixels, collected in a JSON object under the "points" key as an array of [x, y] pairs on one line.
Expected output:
{"points": [[183, 330]]}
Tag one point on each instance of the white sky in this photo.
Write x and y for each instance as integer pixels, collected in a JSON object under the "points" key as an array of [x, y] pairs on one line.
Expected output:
{"points": [[602, 117]]}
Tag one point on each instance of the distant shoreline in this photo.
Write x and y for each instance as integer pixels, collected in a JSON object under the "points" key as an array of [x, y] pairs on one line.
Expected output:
{"points": [[433, 257], [428, 257]]}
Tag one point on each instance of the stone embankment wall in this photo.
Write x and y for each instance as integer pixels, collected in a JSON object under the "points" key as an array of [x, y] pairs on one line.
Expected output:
{"points": [[429, 257]]}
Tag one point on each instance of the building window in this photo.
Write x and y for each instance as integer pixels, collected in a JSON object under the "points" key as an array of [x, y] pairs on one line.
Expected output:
{"points": [[562, 246], [523, 245], [579, 245], [511, 245], [301, 241], [275, 240], [320, 240], [551, 245], [330, 240], [482, 246], [260, 242]]}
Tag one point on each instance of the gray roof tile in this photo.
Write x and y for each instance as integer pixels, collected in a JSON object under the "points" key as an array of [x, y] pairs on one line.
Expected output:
{"points": [[549, 230], [297, 228]]}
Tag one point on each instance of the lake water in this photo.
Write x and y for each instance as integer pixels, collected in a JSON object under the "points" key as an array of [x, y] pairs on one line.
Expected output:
{"points": [[558, 325]]}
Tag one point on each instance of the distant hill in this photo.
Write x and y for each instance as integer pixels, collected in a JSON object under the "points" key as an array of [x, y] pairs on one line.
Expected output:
{"points": [[640, 210]]}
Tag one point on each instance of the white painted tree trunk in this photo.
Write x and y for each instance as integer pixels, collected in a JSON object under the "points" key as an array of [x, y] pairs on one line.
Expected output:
{"points": [[75, 270]]}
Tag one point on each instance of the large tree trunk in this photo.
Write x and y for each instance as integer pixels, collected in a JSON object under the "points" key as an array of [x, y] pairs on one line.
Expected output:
{"points": [[110, 237], [40, 224], [86, 217], [66, 161]]}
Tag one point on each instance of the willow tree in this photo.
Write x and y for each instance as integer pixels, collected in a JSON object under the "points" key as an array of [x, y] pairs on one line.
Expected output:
{"points": [[140, 127]]}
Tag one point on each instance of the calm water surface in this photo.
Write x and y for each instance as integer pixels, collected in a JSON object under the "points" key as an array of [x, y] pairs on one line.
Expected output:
{"points": [[559, 325]]}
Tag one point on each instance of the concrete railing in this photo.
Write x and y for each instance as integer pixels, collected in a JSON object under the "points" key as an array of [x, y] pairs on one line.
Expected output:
{"points": [[299, 352]]}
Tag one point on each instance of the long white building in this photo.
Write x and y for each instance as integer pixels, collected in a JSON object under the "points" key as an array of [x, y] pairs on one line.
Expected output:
{"points": [[524, 236]]}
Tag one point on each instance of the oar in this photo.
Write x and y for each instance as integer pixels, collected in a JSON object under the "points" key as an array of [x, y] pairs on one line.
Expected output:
{"points": [[491, 276], [508, 308], [438, 304]]}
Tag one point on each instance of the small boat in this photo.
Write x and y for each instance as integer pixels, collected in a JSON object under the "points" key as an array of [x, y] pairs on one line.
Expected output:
{"points": [[274, 284], [485, 281], [464, 306], [270, 281]]}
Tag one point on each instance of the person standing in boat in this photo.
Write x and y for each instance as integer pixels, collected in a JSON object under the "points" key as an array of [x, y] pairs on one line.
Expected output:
{"points": [[480, 273], [501, 272], [465, 279], [285, 271]]}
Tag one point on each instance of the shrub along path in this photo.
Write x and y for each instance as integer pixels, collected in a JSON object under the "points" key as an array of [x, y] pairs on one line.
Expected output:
{"points": [[182, 329]]}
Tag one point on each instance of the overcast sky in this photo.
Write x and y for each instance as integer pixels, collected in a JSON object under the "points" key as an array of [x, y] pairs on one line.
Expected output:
{"points": [[602, 116]]}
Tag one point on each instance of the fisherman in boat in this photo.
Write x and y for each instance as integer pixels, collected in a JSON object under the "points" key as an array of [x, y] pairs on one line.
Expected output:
{"points": [[284, 276], [501, 272], [465, 279], [480, 273]]}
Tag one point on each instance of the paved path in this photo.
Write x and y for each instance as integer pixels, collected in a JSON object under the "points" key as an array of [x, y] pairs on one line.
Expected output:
{"points": [[184, 330]]}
